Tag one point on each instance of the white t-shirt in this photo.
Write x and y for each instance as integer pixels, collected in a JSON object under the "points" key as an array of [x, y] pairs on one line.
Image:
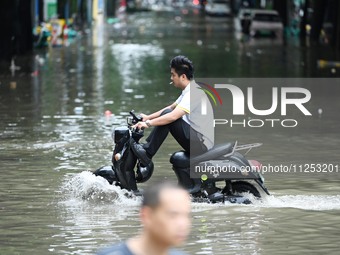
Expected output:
{"points": [[201, 121]]}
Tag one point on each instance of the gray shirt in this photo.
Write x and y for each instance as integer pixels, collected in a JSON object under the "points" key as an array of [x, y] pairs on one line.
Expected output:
{"points": [[122, 249], [199, 112]]}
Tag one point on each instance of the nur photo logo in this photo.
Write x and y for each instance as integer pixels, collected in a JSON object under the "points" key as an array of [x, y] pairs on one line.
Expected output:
{"points": [[241, 101]]}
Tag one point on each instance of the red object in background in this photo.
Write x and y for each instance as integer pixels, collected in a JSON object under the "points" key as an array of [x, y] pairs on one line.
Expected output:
{"points": [[108, 113], [196, 2], [35, 73]]}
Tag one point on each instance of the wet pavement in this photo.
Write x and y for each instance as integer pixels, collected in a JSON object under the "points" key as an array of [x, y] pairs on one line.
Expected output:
{"points": [[53, 128]]}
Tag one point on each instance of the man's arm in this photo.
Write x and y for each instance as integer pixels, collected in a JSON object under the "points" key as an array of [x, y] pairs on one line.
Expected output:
{"points": [[158, 113], [168, 118], [164, 119]]}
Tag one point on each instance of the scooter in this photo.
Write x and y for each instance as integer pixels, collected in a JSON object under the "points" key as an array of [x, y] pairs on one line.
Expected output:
{"points": [[200, 175]]}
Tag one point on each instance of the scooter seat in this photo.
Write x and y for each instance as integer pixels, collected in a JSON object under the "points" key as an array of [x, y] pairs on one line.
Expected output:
{"points": [[215, 152], [181, 159]]}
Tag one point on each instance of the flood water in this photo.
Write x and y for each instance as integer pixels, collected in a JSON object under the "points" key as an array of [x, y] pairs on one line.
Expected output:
{"points": [[53, 131]]}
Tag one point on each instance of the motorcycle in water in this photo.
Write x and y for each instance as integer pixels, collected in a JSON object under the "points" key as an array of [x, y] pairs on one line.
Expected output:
{"points": [[243, 175]]}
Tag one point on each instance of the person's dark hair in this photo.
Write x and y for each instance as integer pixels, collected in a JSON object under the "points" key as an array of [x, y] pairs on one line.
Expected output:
{"points": [[182, 65], [152, 193]]}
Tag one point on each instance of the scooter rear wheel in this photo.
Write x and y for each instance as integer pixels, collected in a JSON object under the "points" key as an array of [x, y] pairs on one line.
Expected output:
{"points": [[239, 187]]}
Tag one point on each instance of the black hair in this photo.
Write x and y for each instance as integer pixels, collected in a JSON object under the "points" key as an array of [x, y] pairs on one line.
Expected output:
{"points": [[152, 193], [182, 65]]}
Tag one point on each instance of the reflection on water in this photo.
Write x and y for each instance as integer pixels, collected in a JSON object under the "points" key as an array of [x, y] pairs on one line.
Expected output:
{"points": [[132, 58], [53, 131]]}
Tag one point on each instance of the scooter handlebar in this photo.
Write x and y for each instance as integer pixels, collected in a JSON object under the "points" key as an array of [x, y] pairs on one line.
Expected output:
{"points": [[135, 119]]}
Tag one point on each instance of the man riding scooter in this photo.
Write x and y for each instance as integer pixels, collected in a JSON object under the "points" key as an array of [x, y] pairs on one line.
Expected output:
{"points": [[190, 120], [184, 119]]}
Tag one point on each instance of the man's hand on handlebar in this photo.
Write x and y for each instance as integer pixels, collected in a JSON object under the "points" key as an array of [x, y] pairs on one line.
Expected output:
{"points": [[144, 116], [140, 125]]}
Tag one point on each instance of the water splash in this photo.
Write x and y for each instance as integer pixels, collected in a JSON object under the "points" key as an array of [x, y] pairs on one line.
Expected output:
{"points": [[85, 186], [304, 202]]}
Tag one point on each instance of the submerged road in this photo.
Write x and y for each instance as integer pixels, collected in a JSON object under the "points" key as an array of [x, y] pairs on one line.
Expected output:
{"points": [[53, 128]]}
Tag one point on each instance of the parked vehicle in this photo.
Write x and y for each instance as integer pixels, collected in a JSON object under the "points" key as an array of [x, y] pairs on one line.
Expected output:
{"points": [[218, 7], [265, 22]]}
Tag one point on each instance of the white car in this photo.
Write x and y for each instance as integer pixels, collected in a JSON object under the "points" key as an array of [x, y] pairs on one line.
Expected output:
{"points": [[265, 21], [218, 7]]}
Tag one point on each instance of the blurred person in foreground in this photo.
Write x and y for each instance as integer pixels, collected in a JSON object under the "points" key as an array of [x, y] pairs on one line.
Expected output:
{"points": [[165, 215]]}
